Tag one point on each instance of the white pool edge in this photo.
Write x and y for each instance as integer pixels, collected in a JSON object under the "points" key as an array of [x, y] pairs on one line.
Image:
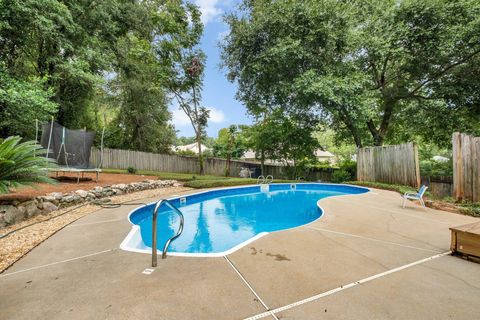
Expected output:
{"points": [[134, 239]]}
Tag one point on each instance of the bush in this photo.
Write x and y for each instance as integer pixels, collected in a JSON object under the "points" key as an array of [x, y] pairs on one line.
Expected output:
{"points": [[436, 168], [131, 170], [22, 164], [349, 166], [187, 153], [340, 176]]}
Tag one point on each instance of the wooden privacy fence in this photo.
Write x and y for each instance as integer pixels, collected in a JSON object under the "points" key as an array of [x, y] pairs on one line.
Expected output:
{"points": [[122, 159], [466, 167], [397, 164], [439, 186]]}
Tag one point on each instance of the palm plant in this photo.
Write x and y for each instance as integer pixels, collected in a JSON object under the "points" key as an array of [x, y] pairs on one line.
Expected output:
{"points": [[22, 164]]}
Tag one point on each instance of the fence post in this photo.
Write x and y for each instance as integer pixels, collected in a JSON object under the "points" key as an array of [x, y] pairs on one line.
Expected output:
{"points": [[466, 167]]}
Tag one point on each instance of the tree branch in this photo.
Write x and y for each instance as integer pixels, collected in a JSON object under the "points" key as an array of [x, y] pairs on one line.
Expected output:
{"points": [[384, 70], [371, 127], [442, 72], [185, 108]]}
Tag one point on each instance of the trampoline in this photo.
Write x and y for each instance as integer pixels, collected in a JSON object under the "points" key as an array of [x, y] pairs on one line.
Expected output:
{"points": [[70, 149]]}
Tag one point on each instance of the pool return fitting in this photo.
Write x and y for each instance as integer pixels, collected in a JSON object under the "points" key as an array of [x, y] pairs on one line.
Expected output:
{"points": [[154, 230]]}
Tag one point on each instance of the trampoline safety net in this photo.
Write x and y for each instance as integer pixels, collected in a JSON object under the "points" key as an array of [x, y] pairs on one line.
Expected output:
{"points": [[68, 147]]}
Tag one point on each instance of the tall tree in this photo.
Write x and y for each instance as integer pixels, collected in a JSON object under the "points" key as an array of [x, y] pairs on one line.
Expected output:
{"points": [[230, 144], [361, 64], [95, 63], [67, 42], [142, 117], [285, 137], [20, 103], [179, 30]]}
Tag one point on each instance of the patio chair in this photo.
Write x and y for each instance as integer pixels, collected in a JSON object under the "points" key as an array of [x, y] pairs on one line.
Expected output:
{"points": [[415, 196]]}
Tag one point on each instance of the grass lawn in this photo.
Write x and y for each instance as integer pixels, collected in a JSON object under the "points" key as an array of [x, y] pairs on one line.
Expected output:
{"points": [[170, 175], [226, 182], [196, 181]]}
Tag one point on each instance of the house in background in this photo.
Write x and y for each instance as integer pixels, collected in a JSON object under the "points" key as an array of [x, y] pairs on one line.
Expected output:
{"points": [[192, 147], [249, 155], [321, 155], [441, 159], [324, 156]]}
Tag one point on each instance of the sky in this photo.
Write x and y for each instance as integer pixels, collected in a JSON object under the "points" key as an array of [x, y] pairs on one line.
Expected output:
{"points": [[218, 93]]}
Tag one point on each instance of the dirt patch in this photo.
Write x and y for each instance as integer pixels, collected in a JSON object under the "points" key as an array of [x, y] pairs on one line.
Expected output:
{"points": [[70, 184]]}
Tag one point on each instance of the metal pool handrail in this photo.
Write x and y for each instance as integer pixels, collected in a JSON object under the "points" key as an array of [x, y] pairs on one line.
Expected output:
{"points": [[154, 230], [264, 180], [271, 179]]}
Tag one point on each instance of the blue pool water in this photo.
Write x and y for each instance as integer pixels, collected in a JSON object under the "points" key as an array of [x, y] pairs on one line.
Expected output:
{"points": [[218, 220]]}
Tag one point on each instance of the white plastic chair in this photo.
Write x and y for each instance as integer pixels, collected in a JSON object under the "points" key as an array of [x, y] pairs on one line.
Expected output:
{"points": [[415, 196]]}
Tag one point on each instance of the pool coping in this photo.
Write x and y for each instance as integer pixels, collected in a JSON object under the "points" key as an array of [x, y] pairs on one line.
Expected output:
{"points": [[135, 235]]}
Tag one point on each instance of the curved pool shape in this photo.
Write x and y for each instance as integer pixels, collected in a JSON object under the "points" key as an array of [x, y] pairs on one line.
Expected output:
{"points": [[218, 222]]}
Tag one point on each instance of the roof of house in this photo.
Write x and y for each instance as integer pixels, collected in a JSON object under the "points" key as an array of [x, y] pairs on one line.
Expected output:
{"points": [[249, 154], [323, 154], [190, 147], [440, 158]]}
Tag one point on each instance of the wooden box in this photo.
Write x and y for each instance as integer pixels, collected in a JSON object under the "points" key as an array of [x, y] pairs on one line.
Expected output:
{"points": [[466, 239]]}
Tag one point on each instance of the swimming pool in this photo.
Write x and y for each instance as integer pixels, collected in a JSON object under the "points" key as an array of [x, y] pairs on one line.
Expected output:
{"points": [[218, 222]]}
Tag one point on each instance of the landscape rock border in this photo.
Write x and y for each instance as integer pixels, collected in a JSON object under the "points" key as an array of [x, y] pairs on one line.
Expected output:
{"points": [[12, 212]]}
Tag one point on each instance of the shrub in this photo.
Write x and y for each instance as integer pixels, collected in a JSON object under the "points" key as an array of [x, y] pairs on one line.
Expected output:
{"points": [[22, 164], [132, 170], [340, 176], [188, 153], [349, 166], [436, 168]]}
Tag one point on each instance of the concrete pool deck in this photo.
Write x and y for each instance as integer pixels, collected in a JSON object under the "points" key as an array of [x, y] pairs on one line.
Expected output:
{"points": [[309, 272]]}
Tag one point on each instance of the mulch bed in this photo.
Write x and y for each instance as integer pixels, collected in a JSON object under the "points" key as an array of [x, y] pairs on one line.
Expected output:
{"points": [[69, 183]]}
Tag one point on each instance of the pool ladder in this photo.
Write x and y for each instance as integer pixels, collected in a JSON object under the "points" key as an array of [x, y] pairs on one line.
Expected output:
{"points": [[265, 180], [154, 230]]}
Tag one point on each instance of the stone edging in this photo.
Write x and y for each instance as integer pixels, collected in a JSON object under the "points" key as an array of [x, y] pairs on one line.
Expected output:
{"points": [[17, 211]]}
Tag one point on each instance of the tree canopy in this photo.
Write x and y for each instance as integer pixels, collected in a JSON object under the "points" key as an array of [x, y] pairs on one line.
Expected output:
{"points": [[93, 64], [374, 70]]}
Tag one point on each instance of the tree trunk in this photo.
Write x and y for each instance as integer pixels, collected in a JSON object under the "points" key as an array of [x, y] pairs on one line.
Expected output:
{"points": [[294, 170], [384, 126], [378, 135], [262, 162], [356, 136], [229, 157], [352, 128], [200, 156], [198, 133]]}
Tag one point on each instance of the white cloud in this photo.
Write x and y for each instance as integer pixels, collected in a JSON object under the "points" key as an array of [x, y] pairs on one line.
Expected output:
{"points": [[180, 119], [209, 9], [216, 116]]}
